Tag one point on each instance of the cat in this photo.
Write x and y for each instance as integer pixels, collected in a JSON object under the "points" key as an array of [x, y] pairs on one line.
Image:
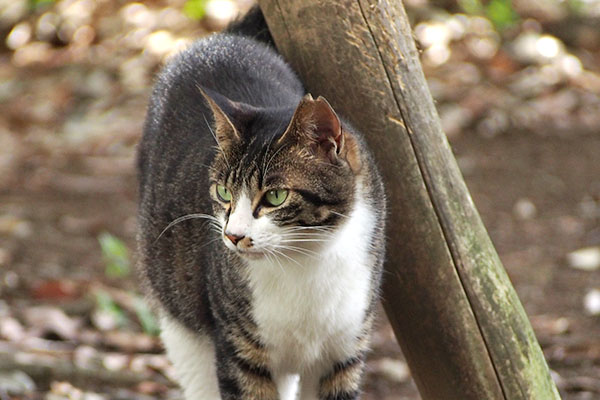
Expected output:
{"points": [[261, 227]]}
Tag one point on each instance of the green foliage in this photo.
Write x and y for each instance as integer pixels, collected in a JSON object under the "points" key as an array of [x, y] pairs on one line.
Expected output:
{"points": [[117, 265], [577, 6], [471, 6], [106, 304], [500, 12], [195, 9], [115, 256], [37, 4], [146, 318]]}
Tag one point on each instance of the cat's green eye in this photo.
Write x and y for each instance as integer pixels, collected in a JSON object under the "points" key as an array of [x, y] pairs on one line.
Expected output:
{"points": [[276, 197], [223, 193]]}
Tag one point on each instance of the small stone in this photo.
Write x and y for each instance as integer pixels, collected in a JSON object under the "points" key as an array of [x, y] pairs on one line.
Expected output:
{"points": [[394, 370], [160, 42], [4, 309], [524, 209], [32, 53], [67, 390], [85, 356], [219, 13], [557, 378], [105, 320], [586, 259], [170, 18], [137, 14], [454, 119], [11, 279], [433, 33], [93, 396], [16, 383], [591, 302], [550, 326], [115, 361], [18, 36], [12, 11], [47, 26], [134, 74], [561, 326], [14, 226], [12, 329], [494, 123], [97, 84], [589, 208]]}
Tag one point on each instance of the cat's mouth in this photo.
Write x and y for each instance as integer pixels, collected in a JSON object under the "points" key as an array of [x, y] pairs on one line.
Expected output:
{"points": [[250, 253]]}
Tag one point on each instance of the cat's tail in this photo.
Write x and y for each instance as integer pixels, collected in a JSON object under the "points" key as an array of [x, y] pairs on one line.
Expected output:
{"points": [[252, 24]]}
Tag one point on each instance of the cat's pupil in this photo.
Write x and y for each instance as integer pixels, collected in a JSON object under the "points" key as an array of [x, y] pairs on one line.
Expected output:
{"points": [[276, 197]]}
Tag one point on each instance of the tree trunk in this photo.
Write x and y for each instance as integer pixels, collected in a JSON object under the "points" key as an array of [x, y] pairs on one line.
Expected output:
{"points": [[455, 314]]}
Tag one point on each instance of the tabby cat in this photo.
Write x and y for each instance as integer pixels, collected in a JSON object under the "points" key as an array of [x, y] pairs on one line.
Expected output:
{"points": [[261, 221]]}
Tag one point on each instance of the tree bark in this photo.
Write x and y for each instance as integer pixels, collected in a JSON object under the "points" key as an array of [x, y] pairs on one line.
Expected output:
{"points": [[455, 314]]}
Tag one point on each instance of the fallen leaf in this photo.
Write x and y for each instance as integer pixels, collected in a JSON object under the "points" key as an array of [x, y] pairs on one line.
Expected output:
{"points": [[55, 290]]}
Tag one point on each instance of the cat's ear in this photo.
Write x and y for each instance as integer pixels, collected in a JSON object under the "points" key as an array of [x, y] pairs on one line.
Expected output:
{"points": [[222, 109], [316, 124]]}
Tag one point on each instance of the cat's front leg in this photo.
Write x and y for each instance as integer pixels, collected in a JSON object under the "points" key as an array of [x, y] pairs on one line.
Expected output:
{"points": [[342, 381], [242, 372]]}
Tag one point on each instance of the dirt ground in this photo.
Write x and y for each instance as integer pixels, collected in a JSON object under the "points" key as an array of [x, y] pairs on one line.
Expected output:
{"points": [[67, 175]]}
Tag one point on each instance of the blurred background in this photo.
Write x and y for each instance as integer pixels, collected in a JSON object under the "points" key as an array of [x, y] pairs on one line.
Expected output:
{"points": [[517, 86]]}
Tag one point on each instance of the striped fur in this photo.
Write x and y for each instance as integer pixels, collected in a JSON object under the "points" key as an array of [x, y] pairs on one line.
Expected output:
{"points": [[257, 301]]}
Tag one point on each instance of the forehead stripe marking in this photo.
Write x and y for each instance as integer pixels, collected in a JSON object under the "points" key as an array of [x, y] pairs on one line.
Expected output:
{"points": [[316, 199]]}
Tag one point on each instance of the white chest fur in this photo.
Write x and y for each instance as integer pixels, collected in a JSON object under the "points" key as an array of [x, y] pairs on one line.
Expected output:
{"points": [[310, 314]]}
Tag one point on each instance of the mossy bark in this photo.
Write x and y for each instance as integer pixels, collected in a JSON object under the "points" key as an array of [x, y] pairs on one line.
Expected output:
{"points": [[454, 311]]}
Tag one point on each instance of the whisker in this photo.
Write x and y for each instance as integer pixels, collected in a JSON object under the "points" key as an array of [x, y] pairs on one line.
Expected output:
{"points": [[185, 218], [303, 240], [302, 228], [311, 227], [286, 256], [292, 239], [276, 259], [304, 234], [307, 232], [215, 137], [340, 214], [316, 234], [300, 250]]}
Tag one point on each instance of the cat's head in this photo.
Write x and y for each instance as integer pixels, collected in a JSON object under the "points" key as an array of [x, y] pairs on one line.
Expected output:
{"points": [[283, 179]]}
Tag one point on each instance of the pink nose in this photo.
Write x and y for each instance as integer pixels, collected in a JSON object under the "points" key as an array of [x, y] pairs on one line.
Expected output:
{"points": [[234, 238]]}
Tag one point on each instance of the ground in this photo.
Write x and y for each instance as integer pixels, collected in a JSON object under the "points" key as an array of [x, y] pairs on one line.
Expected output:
{"points": [[67, 146]]}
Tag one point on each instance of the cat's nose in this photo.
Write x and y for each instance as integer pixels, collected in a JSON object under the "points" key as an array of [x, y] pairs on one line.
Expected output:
{"points": [[234, 238]]}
